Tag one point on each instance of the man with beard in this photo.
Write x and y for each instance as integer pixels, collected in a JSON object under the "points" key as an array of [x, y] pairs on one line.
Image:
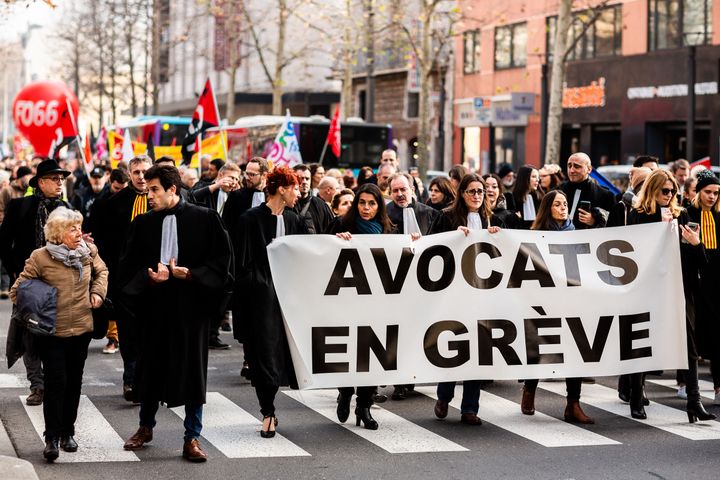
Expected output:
{"points": [[21, 232], [310, 206], [175, 272], [111, 233]]}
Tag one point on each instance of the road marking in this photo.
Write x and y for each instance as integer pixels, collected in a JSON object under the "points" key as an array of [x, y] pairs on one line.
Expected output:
{"points": [[395, 435], [97, 441], [706, 388], [13, 380], [659, 416], [539, 428], [236, 433]]}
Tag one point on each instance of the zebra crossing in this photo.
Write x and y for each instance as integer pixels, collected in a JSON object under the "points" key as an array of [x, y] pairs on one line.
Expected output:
{"points": [[233, 431]]}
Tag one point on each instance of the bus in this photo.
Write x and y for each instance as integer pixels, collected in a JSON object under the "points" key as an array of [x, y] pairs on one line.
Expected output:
{"points": [[361, 143], [165, 130]]}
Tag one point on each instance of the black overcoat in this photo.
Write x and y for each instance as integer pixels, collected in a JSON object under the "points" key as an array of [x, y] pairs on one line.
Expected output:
{"points": [[424, 215], [261, 325], [173, 316], [317, 211]]}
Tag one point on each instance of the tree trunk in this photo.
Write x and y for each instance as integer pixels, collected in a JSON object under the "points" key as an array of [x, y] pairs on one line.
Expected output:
{"points": [[156, 59], [557, 79], [129, 45], [230, 108], [425, 65], [346, 94], [148, 54], [277, 89], [370, 56]]}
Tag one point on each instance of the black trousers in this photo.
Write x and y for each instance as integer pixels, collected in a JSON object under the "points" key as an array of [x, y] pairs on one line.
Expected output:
{"points": [[63, 362], [364, 395], [266, 397], [128, 338], [572, 385]]}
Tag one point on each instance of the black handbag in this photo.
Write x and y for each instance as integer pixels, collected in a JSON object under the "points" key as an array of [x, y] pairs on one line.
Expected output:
{"points": [[101, 317]]}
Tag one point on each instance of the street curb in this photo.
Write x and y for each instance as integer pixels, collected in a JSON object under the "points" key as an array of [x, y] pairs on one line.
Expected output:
{"points": [[11, 467]]}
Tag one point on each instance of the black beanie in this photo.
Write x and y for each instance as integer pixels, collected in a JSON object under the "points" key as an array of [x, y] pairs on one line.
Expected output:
{"points": [[705, 178]]}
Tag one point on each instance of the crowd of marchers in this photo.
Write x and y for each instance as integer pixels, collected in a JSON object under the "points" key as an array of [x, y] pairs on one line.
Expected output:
{"points": [[171, 256]]}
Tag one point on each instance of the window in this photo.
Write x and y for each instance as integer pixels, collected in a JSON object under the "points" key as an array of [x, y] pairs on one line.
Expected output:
{"points": [[511, 46], [471, 51], [602, 38], [678, 23], [412, 105]]}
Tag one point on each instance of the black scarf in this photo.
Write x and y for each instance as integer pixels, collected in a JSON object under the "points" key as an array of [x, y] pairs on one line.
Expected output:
{"points": [[45, 207]]}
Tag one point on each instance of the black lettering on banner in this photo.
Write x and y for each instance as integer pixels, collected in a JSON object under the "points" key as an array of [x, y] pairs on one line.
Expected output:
{"points": [[540, 270], [467, 265], [533, 340], [486, 342], [358, 280], [390, 284], [386, 355], [423, 268], [320, 348], [628, 265], [462, 347], [628, 335], [570, 253], [590, 354]]}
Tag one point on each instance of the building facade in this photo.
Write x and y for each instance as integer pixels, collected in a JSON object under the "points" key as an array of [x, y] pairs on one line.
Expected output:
{"points": [[626, 82]]}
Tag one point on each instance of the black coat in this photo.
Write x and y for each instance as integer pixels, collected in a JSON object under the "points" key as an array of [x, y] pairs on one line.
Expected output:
{"points": [[601, 201], [446, 223], [317, 215], [261, 328], [521, 223], [173, 317], [204, 197], [17, 233], [424, 215], [84, 199], [237, 203]]}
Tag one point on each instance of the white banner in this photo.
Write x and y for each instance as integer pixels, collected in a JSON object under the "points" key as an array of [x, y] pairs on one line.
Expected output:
{"points": [[383, 310]]}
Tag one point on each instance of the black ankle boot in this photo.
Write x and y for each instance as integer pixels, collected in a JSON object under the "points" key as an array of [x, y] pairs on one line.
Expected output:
{"points": [[363, 415], [696, 411], [68, 444], [637, 410], [51, 452], [343, 408]]}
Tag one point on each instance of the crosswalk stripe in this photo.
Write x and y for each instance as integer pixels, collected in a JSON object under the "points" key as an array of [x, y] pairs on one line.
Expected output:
{"points": [[236, 433], [395, 435], [706, 388], [539, 428], [659, 416], [13, 380], [97, 441]]}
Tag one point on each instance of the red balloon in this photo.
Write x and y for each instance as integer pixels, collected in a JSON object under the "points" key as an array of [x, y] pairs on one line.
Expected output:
{"points": [[40, 111]]}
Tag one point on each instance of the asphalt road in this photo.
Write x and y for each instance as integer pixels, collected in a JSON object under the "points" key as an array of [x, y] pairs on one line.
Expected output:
{"points": [[410, 443]]}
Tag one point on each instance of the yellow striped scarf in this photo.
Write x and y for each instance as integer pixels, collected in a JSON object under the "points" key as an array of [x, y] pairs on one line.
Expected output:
{"points": [[139, 207], [707, 229]]}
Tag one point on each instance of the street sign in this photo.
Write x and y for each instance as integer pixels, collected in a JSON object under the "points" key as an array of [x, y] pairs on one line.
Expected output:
{"points": [[522, 102]]}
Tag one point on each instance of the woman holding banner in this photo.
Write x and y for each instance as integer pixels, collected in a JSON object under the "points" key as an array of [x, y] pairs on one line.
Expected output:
{"points": [[553, 216], [657, 202], [470, 211], [367, 215], [705, 211], [266, 347]]}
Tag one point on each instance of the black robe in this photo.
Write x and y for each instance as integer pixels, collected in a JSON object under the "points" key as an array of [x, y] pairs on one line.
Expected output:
{"points": [[237, 203], [173, 316], [424, 215], [261, 328], [320, 215], [601, 201]]}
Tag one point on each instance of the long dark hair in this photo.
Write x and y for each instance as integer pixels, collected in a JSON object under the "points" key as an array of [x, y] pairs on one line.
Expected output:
{"points": [[349, 219], [446, 188], [458, 211], [543, 219], [522, 186]]}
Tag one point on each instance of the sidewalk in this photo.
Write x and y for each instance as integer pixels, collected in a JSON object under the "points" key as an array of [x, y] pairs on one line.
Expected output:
{"points": [[11, 467]]}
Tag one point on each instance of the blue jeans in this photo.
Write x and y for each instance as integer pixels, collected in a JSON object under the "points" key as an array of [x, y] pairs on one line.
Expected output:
{"points": [[470, 398], [192, 423]]}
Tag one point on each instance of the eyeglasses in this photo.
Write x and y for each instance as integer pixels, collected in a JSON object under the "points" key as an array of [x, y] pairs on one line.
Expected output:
{"points": [[251, 174], [476, 191], [668, 191], [54, 178]]}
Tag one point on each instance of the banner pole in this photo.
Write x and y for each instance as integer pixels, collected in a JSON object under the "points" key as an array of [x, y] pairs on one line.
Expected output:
{"points": [[217, 115]]}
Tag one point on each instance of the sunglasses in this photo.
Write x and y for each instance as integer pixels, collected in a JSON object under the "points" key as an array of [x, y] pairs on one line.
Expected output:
{"points": [[476, 191], [668, 191]]}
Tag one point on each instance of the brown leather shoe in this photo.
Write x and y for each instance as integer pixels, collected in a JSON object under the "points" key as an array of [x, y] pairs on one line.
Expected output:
{"points": [[527, 404], [193, 452], [574, 414], [470, 419], [441, 409], [142, 436], [35, 398]]}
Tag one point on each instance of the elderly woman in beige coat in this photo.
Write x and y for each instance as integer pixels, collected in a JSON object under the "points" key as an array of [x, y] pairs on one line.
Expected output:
{"points": [[80, 276]]}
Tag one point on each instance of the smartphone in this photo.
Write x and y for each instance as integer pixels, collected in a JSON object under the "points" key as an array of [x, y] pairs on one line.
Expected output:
{"points": [[585, 205], [695, 227]]}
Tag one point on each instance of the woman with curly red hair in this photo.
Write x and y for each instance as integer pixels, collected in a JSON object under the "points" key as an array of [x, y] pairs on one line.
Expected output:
{"points": [[264, 339]]}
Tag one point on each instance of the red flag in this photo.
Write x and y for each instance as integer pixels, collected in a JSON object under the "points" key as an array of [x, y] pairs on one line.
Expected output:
{"points": [[89, 164], [705, 162], [205, 116], [333, 138]]}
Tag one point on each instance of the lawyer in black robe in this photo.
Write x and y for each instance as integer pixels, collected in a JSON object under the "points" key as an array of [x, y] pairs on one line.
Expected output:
{"points": [[424, 215]]}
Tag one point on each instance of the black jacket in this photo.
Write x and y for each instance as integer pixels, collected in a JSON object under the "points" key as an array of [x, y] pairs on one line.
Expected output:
{"points": [[424, 215], [601, 201], [315, 212]]}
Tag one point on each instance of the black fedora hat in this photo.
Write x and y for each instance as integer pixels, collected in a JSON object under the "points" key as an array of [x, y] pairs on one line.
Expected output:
{"points": [[45, 168]]}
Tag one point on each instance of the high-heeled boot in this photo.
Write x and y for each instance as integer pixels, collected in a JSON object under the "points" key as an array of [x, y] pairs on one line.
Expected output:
{"points": [[696, 411], [527, 404], [362, 414], [343, 408]]}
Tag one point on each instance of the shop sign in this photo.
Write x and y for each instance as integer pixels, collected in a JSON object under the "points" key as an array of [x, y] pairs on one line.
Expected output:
{"points": [[585, 96], [668, 91], [503, 115], [474, 112], [523, 102]]}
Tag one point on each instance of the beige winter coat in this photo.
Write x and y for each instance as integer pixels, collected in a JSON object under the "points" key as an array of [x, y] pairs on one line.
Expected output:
{"points": [[74, 315]]}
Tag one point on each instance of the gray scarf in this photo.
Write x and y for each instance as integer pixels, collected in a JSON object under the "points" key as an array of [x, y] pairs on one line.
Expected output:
{"points": [[169, 241], [71, 258]]}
